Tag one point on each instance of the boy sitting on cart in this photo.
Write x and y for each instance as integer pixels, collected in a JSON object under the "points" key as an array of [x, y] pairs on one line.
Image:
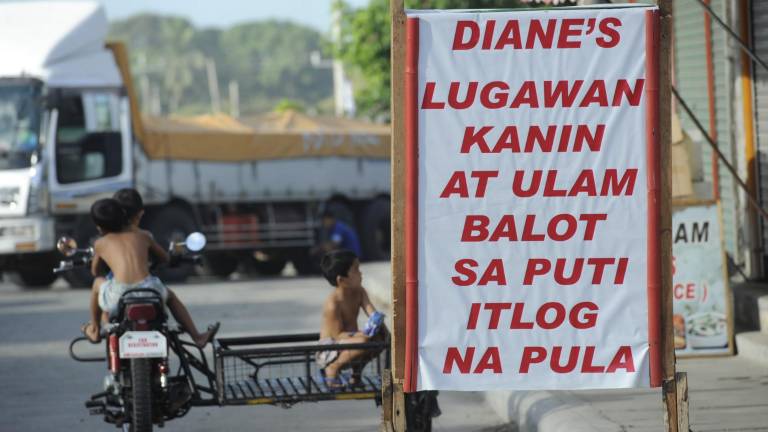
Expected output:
{"points": [[339, 324]]}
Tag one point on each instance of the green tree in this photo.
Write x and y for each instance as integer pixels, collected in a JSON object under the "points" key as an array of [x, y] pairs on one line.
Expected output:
{"points": [[365, 46], [270, 61]]}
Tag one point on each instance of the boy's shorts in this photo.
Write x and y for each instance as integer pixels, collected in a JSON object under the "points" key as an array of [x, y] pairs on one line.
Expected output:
{"points": [[111, 291], [324, 358]]}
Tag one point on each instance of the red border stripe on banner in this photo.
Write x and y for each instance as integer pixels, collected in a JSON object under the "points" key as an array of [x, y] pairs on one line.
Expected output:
{"points": [[654, 179], [411, 204]]}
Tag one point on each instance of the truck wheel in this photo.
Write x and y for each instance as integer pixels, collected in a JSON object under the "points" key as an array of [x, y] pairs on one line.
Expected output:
{"points": [[270, 267], [220, 264], [305, 263], [376, 229], [172, 224], [33, 279]]}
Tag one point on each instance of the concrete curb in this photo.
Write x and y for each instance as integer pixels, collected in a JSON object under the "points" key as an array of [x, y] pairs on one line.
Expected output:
{"points": [[550, 411], [753, 346]]}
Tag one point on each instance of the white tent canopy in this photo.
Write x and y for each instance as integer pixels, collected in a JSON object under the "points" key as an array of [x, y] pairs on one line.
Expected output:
{"points": [[61, 43]]}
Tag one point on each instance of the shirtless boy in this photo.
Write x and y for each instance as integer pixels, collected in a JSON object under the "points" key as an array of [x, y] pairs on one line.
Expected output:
{"points": [[342, 270], [126, 252]]}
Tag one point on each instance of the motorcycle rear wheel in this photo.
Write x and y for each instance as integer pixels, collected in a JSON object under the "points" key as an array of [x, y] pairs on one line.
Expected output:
{"points": [[141, 395]]}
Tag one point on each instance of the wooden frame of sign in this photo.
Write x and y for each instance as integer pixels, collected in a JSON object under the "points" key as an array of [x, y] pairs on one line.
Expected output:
{"points": [[680, 203], [674, 390]]}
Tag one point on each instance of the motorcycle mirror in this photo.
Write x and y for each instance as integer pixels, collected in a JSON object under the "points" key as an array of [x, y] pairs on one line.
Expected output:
{"points": [[67, 246], [195, 242]]}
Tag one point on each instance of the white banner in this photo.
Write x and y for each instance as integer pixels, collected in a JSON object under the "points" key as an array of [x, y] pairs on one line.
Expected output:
{"points": [[699, 286], [532, 217]]}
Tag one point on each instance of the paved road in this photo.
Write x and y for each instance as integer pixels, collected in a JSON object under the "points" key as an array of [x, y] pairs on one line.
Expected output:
{"points": [[41, 389]]}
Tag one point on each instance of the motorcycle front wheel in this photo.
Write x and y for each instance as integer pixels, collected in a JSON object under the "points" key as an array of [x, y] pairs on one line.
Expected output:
{"points": [[141, 395]]}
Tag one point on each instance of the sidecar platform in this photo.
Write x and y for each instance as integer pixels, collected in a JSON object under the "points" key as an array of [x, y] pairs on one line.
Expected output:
{"points": [[281, 370]]}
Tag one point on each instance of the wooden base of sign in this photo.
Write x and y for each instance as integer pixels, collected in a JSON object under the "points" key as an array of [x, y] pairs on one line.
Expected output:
{"points": [[392, 404]]}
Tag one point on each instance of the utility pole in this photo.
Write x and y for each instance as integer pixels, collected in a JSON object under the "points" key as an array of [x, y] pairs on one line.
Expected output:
{"points": [[234, 99], [213, 85]]}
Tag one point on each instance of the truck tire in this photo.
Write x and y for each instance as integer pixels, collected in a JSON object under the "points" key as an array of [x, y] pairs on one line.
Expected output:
{"points": [[172, 224], [273, 267], [35, 271], [33, 279], [376, 229], [141, 395], [305, 263], [220, 264]]}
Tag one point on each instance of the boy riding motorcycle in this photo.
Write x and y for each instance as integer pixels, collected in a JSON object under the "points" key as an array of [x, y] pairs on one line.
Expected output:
{"points": [[125, 250]]}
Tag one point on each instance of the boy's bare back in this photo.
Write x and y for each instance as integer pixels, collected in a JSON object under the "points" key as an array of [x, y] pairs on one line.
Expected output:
{"points": [[127, 254]]}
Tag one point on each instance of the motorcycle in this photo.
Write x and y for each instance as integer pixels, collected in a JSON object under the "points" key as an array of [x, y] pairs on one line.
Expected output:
{"points": [[140, 389]]}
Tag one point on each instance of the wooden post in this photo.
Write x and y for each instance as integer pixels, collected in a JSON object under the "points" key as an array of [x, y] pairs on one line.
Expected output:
{"points": [[681, 378], [669, 388], [397, 193]]}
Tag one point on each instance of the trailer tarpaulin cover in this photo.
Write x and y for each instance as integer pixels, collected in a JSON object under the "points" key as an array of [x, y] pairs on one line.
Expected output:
{"points": [[534, 151], [273, 136]]}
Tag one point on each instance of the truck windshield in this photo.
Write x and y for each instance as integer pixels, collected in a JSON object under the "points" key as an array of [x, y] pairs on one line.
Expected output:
{"points": [[20, 110]]}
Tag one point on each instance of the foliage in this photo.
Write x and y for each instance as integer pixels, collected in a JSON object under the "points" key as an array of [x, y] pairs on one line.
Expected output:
{"points": [[288, 105], [365, 46], [270, 61]]}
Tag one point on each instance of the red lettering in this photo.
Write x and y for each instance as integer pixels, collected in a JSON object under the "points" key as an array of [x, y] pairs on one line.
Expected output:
{"points": [[465, 268], [526, 95], [568, 28], [490, 360], [537, 32], [588, 320], [429, 95], [510, 36], [474, 312], [541, 315], [457, 184], [496, 308], [453, 356], [561, 90], [475, 138], [458, 37], [475, 228], [622, 360], [531, 355], [573, 358], [608, 27], [536, 267], [595, 94], [587, 366], [622, 89], [469, 97]]}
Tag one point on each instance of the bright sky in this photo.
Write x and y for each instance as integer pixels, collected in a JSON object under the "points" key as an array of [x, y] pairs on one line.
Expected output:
{"points": [[223, 13]]}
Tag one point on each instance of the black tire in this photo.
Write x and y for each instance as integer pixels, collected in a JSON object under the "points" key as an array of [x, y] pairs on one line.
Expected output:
{"points": [[172, 224], [141, 395], [33, 279], [270, 267], [220, 264], [305, 263], [376, 230]]}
